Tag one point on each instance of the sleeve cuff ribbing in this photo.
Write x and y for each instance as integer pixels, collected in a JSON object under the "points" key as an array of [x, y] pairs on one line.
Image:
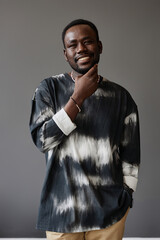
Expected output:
{"points": [[131, 182], [64, 122]]}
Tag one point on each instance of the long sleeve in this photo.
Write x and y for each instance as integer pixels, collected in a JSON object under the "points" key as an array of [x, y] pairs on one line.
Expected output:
{"points": [[48, 128], [130, 146]]}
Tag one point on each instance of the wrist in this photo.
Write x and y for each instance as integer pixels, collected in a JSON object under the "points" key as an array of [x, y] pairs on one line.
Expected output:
{"points": [[79, 100], [78, 107]]}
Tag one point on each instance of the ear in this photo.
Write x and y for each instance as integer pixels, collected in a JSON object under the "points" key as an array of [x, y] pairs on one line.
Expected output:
{"points": [[100, 46], [65, 54]]}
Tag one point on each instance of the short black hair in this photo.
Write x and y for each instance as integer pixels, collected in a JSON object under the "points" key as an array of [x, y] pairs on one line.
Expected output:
{"points": [[78, 22]]}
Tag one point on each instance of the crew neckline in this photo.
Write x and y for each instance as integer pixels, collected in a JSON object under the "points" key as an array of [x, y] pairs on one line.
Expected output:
{"points": [[70, 78]]}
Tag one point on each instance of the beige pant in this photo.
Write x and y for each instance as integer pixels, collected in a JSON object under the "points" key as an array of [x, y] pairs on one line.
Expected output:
{"points": [[115, 232]]}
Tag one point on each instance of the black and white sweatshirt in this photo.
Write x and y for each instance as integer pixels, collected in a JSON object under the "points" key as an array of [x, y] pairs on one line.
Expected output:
{"points": [[88, 162]]}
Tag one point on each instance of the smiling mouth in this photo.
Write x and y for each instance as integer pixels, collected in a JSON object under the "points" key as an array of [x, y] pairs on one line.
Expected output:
{"points": [[84, 59]]}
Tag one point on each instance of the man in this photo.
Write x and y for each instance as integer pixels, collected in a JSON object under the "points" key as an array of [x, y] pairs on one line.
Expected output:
{"points": [[88, 128]]}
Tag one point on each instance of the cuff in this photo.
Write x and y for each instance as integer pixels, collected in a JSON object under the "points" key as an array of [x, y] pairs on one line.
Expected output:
{"points": [[131, 182], [64, 122]]}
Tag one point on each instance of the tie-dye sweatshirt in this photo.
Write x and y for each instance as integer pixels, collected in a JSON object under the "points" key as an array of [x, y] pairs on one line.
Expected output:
{"points": [[88, 162]]}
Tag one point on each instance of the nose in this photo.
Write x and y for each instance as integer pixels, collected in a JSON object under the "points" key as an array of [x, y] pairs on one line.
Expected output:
{"points": [[81, 48]]}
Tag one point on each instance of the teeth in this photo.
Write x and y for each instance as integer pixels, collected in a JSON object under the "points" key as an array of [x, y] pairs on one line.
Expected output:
{"points": [[83, 59]]}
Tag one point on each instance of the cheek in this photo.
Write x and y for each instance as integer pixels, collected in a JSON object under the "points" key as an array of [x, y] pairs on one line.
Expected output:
{"points": [[94, 50], [70, 56]]}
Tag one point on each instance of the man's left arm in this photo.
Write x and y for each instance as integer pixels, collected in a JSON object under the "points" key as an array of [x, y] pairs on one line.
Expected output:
{"points": [[130, 148]]}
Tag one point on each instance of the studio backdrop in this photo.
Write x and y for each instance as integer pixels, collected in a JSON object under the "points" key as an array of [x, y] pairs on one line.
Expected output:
{"points": [[31, 50]]}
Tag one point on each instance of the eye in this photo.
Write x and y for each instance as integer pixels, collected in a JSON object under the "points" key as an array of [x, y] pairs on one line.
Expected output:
{"points": [[72, 45], [87, 42]]}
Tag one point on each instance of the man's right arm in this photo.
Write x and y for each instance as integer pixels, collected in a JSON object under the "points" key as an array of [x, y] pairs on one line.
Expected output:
{"points": [[48, 128]]}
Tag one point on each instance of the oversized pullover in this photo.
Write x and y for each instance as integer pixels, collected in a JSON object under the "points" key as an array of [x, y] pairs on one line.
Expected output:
{"points": [[88, 162]]}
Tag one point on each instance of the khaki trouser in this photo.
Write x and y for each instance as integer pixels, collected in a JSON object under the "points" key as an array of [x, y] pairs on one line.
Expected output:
{"points": [[115, 232]]}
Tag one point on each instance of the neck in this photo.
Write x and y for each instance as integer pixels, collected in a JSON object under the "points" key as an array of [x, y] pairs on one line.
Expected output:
{"points": [[75, 74]]}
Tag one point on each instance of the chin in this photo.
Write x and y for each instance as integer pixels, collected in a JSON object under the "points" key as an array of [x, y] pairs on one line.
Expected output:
{"points": [[84, 70]]}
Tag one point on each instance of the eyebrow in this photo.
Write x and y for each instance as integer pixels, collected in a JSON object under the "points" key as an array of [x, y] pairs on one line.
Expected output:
{"points": [[74, 40]]}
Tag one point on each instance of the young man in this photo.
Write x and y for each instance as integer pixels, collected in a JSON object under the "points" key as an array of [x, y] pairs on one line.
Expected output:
{"points": [[88, 128]]}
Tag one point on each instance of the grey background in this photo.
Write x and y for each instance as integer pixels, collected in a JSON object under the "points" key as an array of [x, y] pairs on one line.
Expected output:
{"points": [[30, 50]]}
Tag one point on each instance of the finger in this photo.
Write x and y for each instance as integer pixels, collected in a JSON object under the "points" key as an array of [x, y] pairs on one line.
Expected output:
{"points": [[92, 71]]}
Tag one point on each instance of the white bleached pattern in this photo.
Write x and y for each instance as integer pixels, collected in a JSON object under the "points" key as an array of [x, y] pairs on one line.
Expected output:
{"points": [[101, 93], [79, 228], [80, 148], [98, 181], [45, 114], [58, 76], [48, 143], [131, 118], [129, 169], [33, 97], [130, 173], [81, 179], [70, 203], [50, 152]]}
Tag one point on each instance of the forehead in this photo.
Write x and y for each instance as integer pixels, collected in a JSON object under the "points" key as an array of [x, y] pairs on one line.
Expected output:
{"points": [[78, 32]]}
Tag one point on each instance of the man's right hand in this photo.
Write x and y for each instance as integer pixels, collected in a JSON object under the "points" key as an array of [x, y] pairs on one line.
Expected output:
{"points": [[86, 85]]}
